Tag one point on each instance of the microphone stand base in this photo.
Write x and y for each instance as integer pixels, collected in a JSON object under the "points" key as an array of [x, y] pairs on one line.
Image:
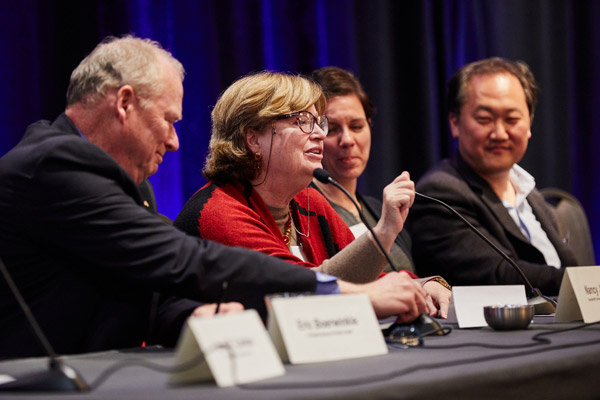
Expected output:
{"points": [[58, 378], [542, 306]]}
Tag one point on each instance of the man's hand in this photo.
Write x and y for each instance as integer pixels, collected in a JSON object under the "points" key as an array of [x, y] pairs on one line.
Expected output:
{"points": [[395, 294], [438, 298], [208, 310]]}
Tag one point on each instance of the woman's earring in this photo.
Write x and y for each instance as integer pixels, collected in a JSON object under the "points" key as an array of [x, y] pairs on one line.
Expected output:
{"points": [[257, 160]]}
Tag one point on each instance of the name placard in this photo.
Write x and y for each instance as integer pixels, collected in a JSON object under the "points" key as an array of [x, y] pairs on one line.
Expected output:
{"points": [[231, 348], [470, 300], [310, 329], [579, 295]]}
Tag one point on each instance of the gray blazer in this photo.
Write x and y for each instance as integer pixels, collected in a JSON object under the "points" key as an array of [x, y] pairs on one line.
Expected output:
{"points": [[444, 245]]}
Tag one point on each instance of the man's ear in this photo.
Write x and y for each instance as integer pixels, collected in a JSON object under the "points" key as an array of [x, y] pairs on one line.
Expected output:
{"points": [[453, 120], [253, 140], [125, 100]]}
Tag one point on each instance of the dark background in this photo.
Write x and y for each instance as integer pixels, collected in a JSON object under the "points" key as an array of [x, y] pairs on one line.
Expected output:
{"points": [[403, 52]]}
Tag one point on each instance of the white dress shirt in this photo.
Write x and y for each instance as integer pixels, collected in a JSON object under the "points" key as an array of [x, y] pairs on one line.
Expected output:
{"points": [[524, 217]]}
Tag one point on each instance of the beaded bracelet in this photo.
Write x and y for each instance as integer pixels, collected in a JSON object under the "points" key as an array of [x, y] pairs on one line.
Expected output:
{"points": [[441, 281]]}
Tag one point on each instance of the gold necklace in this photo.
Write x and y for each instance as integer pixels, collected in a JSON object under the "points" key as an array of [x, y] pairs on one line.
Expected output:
{"points": [[288, 230]]}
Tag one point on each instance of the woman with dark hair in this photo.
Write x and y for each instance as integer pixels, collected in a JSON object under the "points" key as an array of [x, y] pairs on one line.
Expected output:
{"points": [[346, 153]]}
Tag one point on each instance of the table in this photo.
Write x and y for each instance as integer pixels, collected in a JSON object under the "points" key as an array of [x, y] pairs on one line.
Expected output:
{"points": [[568, 367]]}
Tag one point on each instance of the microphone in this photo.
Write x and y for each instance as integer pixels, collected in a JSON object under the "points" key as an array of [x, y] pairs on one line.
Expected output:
{"points": [[424, 324], [542, 305], [59, 377], [324, 177]]}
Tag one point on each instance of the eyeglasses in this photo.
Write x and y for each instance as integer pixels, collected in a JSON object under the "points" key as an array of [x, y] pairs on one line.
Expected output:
{"points": [[306, 121]]}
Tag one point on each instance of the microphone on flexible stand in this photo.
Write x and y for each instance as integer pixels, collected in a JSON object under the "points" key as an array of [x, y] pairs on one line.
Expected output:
{"points": [[59, 377], [324, 177], [542, 305], [397, 332]]}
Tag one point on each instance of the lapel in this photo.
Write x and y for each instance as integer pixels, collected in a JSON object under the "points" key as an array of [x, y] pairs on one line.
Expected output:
{"points": [[535, 200], [374, 212], [487, 195]]}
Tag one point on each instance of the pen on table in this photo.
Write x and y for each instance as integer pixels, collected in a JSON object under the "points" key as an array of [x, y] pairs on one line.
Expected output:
{"points": [[221, 296]]}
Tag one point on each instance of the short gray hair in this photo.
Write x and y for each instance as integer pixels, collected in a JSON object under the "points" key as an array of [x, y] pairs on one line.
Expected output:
{"points": [[121, 61]]}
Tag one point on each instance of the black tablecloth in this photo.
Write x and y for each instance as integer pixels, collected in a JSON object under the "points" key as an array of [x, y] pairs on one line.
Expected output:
{"points": [[568, 367]]}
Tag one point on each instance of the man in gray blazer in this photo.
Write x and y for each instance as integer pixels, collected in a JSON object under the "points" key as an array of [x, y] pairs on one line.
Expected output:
{"points": [[491, 105]]}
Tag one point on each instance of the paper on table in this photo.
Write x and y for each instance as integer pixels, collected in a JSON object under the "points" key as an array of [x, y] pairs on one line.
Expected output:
{"points": [[470, 300]]}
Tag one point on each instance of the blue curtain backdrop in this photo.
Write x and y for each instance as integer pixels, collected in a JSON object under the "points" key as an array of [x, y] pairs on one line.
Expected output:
{"points": [[403, 51]]}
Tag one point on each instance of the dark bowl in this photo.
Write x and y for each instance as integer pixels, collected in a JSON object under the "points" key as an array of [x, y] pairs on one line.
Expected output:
{"points": [[508, 317]]}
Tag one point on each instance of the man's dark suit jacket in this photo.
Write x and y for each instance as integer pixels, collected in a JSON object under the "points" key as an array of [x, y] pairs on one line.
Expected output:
{"points": [[87, 255], [443, 245]]}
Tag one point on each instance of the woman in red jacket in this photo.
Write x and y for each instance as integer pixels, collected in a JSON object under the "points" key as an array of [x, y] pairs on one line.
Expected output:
{"points": [[267, 139]]}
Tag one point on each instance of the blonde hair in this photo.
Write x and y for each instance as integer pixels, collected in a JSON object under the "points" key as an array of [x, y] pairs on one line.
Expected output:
{"points": [[121, 61], [253, 102]]}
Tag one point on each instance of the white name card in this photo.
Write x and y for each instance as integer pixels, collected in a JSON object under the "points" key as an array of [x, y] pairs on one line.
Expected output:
{"points": [[470, 300], [579, 295], [309, 329], [231, 348]]}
